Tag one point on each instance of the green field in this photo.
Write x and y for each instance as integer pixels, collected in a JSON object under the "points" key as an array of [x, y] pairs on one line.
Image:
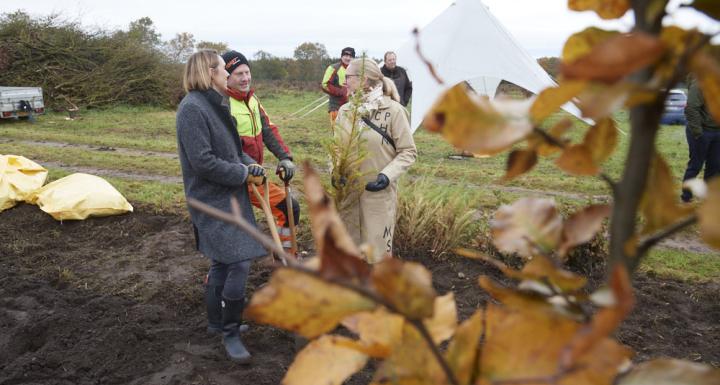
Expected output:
{"points": [[134, 148]]}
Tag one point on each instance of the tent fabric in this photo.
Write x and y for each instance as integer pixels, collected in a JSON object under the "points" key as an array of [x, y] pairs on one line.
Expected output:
{"points": [[467, 43], [19, 178], [79, 196]]}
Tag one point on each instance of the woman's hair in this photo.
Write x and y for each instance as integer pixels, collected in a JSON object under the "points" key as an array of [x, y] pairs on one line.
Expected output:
{"points": [[197, 76], [373, 75]]}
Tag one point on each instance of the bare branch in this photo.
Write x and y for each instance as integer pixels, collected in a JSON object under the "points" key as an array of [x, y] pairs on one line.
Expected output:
{"points": [[427, 62]]}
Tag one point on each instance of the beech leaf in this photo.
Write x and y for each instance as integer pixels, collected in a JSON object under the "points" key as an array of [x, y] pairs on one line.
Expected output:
{"points": [[582, 226], [577, 160], [406, 285], [660, 205], [709, 215], [666, 371], [519, 162], [378, 331], [328, 360], [444, 321], [606, 9], [526, 227], [582, 43], [462, 352], [551, 99]]}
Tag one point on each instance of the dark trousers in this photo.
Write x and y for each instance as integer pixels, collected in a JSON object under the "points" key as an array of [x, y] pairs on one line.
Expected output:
{"points": [[232, 277], [704, 150]]}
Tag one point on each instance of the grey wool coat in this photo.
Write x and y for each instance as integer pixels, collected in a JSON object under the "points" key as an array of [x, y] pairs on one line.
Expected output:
{"points": [[214, 169]]}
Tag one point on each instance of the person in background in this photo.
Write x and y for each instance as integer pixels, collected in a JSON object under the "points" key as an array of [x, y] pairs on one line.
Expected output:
{"points": [[215, 169], [703, 137], [257, 131], [333, 83], [390, 151], [399, 76]]}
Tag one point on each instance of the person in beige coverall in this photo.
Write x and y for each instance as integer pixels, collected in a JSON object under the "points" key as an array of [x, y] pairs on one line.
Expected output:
{"points": [[371, 218]]}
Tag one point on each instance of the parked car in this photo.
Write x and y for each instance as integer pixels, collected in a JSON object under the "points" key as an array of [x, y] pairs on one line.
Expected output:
{"points": [[22, 102], [675, 108]]}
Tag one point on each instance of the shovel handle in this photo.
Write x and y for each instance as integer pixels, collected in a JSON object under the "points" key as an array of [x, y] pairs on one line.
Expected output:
{"points": [[265, 204]]}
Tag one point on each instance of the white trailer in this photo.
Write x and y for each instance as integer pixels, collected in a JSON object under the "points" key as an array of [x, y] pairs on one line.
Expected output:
{"points": [[21, 102]]}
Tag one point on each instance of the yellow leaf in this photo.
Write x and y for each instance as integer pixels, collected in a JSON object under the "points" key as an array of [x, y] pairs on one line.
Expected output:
{"points": [[542, 146], [615, 58], [461, 354], [582, 43], [660, 205], [411, 363], [606, 9], [582, 226], [677, 40], [476, 124], [602, 138], [378, 331], [304, 304], [708, 7], [329, 360], [518, 163], [708, 73], [443, 323], [525, 300], [709, 215], [577, 160], [407, 286], [666, 371], [551, 99], [527, 226]]}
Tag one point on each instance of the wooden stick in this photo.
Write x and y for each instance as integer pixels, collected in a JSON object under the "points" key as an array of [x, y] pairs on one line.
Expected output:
{"points": [[265, 204]]}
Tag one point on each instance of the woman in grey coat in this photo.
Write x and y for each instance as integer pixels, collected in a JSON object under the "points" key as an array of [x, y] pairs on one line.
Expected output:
{"points": [[215, 169]]}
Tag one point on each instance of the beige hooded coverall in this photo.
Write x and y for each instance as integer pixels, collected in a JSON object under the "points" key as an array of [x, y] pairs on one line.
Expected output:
{"points": [[371, 219]]}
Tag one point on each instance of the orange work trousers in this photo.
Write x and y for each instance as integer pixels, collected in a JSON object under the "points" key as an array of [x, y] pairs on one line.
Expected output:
{"points": [[277, 198]]}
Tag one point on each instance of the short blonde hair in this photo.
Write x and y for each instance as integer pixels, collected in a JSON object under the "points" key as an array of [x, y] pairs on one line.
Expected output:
{"points": [[374, 76], [196, 75]]}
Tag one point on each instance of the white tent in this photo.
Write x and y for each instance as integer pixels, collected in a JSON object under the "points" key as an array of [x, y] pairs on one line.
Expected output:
{"points": [[467, 43]]}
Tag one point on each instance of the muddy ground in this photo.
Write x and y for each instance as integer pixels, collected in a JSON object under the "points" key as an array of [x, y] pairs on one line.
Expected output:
{"points": [[119, 301]]}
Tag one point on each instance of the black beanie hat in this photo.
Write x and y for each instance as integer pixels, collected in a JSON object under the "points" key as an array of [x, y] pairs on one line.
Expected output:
{"points": [[348, 51], [233, 59]]}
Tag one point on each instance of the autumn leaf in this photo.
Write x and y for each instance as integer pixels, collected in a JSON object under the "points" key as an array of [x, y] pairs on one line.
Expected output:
{"points": [[528, 226], [518, 163], [666, 371], [378, 331], [444, 321], [476, 124], [601, 139], [582, 226], [606, 9], [582, 43], [615, 58], [411, 363], [328, 360], [660, 205], [577, 160], [462, 352], [708, 74], [677, 41], [535, 299], [304, 304], [551, 99], [339, 256], [709, 215], [545, 147], [601, 101], [407, 286], [708, 7]]}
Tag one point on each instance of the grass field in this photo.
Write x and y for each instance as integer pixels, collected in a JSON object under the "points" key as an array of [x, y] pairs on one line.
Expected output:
{"points": [[126, 141]]}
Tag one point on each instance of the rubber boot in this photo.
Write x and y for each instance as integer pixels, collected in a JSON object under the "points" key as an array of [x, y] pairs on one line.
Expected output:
{"points": [[232, 314], [213, 301]]}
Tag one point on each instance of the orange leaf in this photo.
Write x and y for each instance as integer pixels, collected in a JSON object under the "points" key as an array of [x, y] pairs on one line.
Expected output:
{"points": [[406, 285], [582, 43], [551, 99], [519, 162], [542, 146], [616, 58], [327, 360], [666, 371], [709, 215], [528, 226], [601, 139], [582, 226], [476, 124], [339, 256], [462, 352], [378, 331], [304, 304], [606, 9], [577, 160], [660, 205], [443, 323]]}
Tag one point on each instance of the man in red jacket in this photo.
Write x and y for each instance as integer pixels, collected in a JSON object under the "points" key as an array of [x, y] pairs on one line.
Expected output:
{"points": [[257, 131]]}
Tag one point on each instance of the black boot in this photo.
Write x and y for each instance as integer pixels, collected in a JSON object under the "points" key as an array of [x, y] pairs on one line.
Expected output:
{"points": [[232, 314], [213, 301]]}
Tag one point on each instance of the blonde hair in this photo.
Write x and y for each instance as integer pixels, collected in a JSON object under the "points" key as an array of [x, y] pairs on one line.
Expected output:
{"points": [[373, 75], [196, 75]]}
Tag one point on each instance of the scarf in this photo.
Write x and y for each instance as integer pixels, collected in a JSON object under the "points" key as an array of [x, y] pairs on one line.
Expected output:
{"points": [[371, 101]]}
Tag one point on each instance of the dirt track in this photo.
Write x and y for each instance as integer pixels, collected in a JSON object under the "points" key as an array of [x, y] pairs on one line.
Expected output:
{"points": [[118, 301]]}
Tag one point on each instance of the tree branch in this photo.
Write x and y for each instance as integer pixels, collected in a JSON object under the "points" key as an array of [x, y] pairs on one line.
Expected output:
{"points": [[237, 220]]}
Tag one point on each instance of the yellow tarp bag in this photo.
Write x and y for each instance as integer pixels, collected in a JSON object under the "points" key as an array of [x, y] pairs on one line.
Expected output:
{"points": [[79, 196], [19, 178]]}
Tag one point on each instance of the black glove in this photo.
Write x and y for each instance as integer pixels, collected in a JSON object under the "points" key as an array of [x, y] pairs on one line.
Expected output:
{"points": [[256, 170], [380, 183], [286, 169]]}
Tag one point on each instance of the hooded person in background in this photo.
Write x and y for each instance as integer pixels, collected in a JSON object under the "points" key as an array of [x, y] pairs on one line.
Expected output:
{"points": [[215, 169], [399, 76], [390, 150], [257, 131], [333, 83], [703, 137]]}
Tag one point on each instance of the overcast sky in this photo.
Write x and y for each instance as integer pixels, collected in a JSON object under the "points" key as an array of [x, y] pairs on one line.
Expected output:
{"points": [[278, 26]]}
